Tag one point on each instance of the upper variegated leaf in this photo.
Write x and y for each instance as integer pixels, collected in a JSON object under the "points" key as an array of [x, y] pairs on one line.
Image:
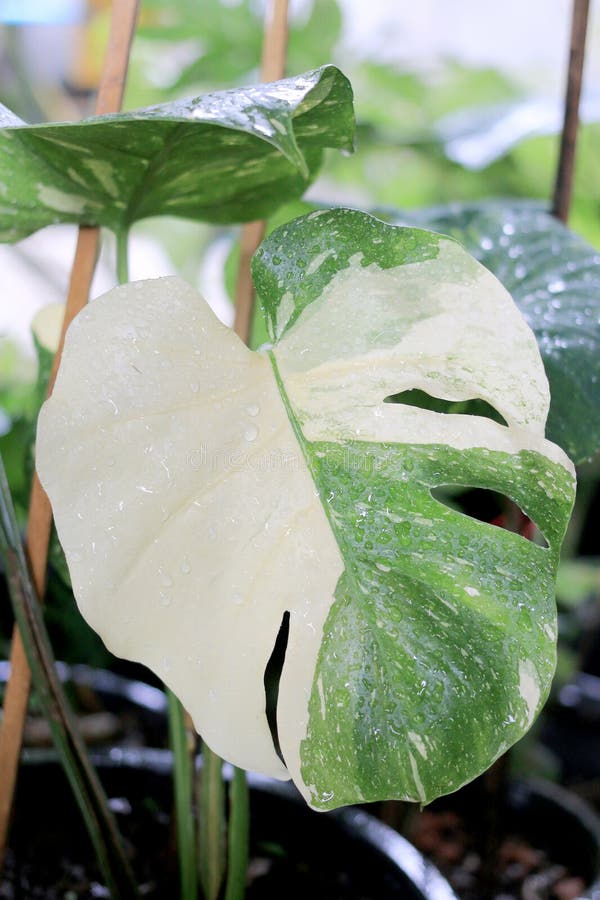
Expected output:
{"points": [[231, 156], [202, 491]]}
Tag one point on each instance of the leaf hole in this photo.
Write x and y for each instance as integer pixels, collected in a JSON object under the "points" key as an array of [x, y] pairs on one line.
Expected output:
{"points": [[490, 507], [423, 400], [272, 678]]}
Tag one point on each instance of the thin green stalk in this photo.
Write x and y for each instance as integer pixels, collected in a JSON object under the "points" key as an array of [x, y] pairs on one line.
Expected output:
{"points": [[239, 829], [212, 824], [122, 237], [183, 774], [84, 781]]}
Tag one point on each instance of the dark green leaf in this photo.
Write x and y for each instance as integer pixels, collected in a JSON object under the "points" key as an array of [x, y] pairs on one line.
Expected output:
{"points": [[258, 331], [554, 277]]}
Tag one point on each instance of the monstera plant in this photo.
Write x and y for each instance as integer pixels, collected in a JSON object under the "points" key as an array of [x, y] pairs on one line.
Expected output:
{"points": [[222, 508], [205, 495]]}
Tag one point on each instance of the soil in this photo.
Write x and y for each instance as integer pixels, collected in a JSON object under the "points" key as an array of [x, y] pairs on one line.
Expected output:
{"points": [[49, 854], [521, 869], [536, 850]]}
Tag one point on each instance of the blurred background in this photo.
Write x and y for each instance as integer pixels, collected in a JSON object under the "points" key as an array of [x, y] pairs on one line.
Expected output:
{"points": [[454, 102]]}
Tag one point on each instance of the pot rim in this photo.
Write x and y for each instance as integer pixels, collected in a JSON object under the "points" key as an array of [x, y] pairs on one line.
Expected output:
{"points": [[136, 692], [423, 873]]}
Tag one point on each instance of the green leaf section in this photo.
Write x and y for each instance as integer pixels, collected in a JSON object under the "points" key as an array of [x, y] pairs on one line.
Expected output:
{"points": [[231, 156], [259, 334], [554, 278], [289, 282], [442, 626]]}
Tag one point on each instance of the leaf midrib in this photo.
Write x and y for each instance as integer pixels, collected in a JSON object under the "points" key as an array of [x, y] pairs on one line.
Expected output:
{"points": [[154, 164], [349, 571]]}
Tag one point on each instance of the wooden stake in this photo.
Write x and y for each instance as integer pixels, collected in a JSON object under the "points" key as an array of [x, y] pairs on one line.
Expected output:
{"points": [[275, 41], [563, 189], [272, 68], [252, 235], [110, 95]]}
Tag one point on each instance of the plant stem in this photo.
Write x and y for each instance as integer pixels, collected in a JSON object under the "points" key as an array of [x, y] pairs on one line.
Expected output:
{"points": [[88, 791], [183, 774], [212, 823], [123, 255], [239, 827], [495, 785]]}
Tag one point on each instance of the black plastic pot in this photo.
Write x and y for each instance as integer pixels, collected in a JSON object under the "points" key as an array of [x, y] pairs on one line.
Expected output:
{"points": [[345, 847], [547, 817], [571, 729], [560, 823], [296, 852]]}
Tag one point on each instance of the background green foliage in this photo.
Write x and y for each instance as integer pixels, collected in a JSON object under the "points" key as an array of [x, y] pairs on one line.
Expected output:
{"points": [[400, 159]]}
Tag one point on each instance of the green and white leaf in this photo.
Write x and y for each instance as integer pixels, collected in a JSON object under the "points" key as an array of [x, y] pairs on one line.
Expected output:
{"points": [[202, 490], [230, 156], [554, 277]]}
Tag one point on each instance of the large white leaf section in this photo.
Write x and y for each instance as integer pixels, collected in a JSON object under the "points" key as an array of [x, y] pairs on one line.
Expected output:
{"points": [[445, 326], [187, 516]]}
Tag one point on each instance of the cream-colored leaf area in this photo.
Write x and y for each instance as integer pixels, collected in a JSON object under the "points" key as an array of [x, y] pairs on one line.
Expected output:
{"points": [[445, 326], [188, 519], [46, 325]]}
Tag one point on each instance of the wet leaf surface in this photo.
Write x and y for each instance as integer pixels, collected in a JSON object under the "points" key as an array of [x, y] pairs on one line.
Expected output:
{"points": [[554, 277], [202, 491], [231, 156]]}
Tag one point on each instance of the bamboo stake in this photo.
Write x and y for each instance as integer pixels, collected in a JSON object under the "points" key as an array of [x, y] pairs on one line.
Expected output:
{"points": [[275, 41], [252, 235], [272, 68], [563, 188], [110, 95]]}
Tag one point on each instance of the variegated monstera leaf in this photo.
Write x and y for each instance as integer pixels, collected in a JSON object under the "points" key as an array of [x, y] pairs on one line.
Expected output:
{"points": [[202, 491]]}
